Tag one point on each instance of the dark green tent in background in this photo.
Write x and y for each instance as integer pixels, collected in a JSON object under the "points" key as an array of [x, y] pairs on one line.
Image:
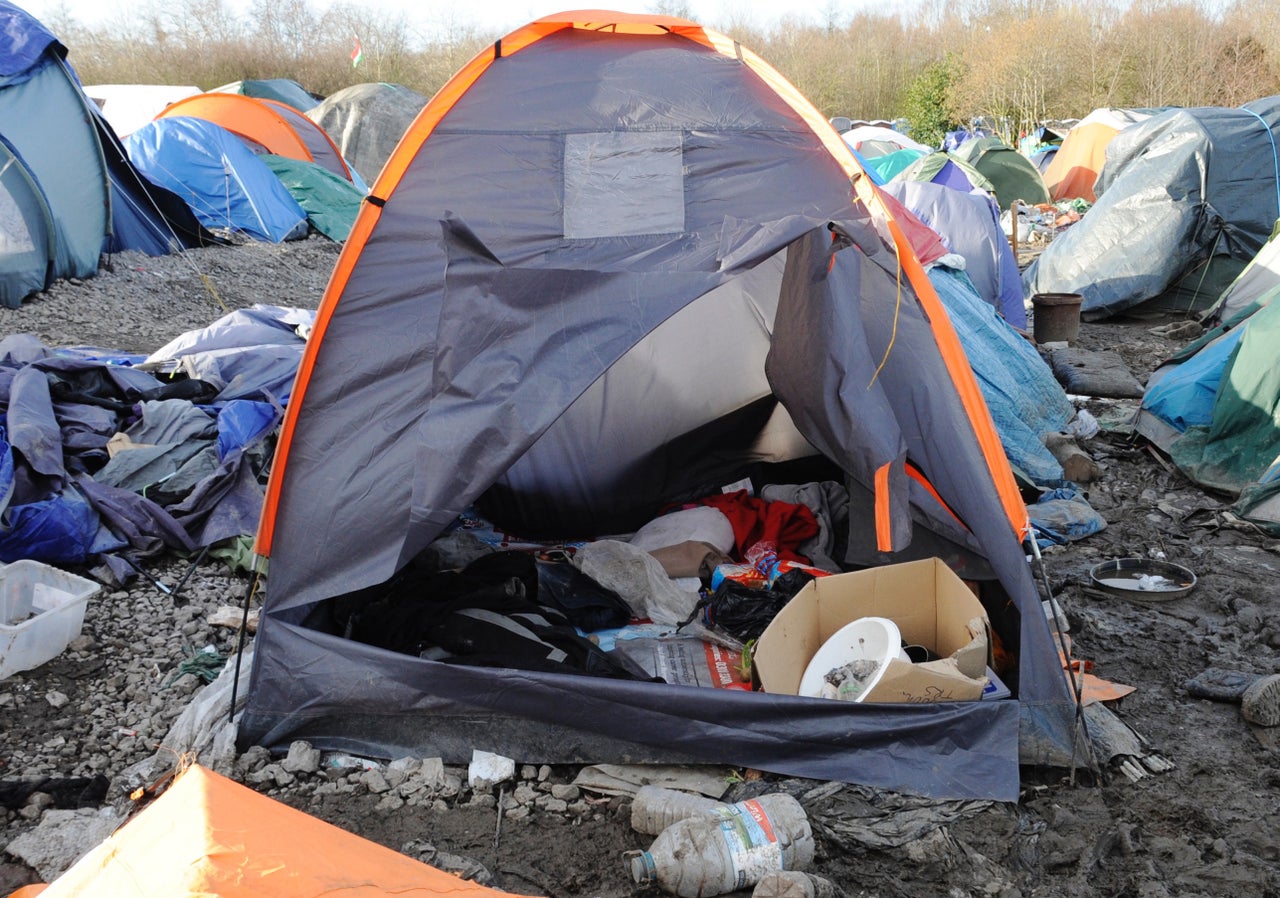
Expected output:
{"points": [[331, 202], [1014, 176], [282, 90]]}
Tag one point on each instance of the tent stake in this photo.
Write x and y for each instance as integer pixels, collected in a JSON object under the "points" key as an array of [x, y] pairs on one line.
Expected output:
{"points": [[1077, 683], [152, 579], [191, 569], [244, 628]]}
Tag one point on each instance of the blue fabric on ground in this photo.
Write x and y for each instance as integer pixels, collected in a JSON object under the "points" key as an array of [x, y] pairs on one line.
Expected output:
{"points": [[241, 422], [1025, 400], [1063, 515], [59, 530]]}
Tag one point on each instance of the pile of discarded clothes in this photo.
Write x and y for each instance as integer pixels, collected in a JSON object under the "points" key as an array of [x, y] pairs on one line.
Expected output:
{"points": [[714, 571], [107, 458]]}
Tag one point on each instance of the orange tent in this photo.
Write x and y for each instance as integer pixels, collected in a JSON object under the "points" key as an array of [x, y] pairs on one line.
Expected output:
{"points": [[210, 837], [267, 126], [1076, 165], [1074, 169]]}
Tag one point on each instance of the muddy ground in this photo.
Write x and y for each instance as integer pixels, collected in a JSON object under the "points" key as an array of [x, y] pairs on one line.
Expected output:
{"points": [[1209, 826]]}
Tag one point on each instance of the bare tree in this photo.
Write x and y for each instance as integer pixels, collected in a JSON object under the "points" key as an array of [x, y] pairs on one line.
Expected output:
{"points": [[1021, 60]]}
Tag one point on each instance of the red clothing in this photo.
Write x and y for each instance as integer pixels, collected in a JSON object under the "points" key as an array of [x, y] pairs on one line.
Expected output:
{"points": [[780, 526]]}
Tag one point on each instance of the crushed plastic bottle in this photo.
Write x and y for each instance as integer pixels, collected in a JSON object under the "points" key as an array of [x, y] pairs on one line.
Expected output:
{"points": [[728, 849], [654, 808], [794, 884]]}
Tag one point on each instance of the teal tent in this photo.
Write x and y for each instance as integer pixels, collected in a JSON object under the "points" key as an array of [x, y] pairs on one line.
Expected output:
{"points": [[282, 90], [890, 164], [68, 192], [63, 190]]}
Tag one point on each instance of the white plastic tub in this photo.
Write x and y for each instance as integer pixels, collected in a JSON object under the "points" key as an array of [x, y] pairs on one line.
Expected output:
{"points": [[41, 611]]}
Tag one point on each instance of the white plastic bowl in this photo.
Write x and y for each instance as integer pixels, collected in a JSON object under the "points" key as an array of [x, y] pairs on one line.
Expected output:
{"points": [[865, 639]]}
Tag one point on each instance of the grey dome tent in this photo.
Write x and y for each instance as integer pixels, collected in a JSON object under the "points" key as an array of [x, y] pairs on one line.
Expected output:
{"points": [[1186, 198], [366, 121], [583, 241]]}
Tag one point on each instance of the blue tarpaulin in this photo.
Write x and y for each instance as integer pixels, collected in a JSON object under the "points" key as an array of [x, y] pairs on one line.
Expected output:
{"points": [[1025, 399]]}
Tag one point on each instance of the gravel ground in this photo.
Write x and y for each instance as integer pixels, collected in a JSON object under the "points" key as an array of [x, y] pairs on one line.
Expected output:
{"points": [[1209, 826]]}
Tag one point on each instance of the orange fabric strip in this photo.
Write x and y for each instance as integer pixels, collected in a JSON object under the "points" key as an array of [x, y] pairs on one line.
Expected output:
{"points": [[884, 520]]}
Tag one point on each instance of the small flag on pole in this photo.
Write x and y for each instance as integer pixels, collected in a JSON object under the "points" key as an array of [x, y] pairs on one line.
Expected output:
{"points": [[357, 54]]}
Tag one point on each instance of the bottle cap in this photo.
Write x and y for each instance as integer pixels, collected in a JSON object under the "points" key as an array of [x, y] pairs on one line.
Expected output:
{"points": [[643, 869]]}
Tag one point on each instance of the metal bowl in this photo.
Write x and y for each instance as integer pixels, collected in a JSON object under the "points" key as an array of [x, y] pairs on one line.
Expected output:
{"points": [[1124, 577]]}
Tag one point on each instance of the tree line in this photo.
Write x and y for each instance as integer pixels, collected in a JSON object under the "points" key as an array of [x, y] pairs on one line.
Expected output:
{"points": [[938, 64]]}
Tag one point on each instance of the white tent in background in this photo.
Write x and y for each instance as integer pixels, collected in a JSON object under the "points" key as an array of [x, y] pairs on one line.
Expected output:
{"points": [[127, 107]]}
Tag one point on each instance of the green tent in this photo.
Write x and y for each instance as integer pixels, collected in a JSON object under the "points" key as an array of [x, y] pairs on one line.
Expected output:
{"points": [[1014, 176], [282, 90], [1242, 438], [1213, 405], [331, 202]]}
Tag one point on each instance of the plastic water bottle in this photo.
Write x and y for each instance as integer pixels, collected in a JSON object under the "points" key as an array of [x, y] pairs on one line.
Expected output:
{"points": [[728, 849], [654, 808], [793, 884]]}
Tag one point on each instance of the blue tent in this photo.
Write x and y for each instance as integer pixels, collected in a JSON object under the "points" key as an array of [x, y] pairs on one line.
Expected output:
{"points": [[42, 117], [145, 216], [67, 192], [225, 184]]}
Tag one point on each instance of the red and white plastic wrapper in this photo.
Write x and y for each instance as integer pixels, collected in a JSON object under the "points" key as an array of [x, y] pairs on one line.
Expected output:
{"points": [[687, 661]]}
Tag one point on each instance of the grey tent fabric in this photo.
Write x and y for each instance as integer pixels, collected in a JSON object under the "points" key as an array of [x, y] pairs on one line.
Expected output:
{"points": [[366, 121], [969, 225], [1183, 190], [586, 190], [247, 353]]}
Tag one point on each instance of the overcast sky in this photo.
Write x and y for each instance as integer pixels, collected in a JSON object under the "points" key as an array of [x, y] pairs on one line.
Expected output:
{"points": [[499, 16]]}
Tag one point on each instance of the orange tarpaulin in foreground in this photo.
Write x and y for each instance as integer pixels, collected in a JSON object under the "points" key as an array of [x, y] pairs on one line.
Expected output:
{"points": [[210, 837]]}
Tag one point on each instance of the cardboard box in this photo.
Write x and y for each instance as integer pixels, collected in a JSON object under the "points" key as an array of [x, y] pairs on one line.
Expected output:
{"points": [[931, 606]]}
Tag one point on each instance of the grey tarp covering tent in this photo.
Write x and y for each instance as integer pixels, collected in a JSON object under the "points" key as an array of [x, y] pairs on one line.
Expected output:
{"points": [[574, 188], [366, 121], [1185, 200]]}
